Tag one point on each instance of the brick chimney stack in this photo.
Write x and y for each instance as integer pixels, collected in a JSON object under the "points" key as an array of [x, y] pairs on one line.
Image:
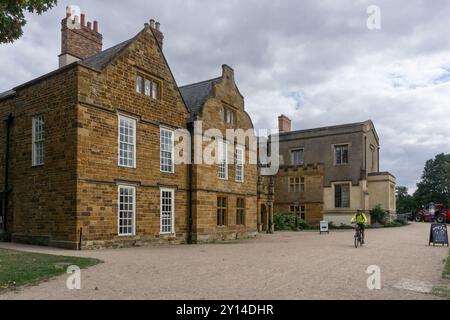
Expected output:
{"points": [[78, 39], [284, 124], [156, 26]]}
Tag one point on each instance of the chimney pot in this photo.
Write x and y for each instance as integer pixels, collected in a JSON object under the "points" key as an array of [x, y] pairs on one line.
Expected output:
{"points": [[68, 12], [78, 42], [152, 23], [157, 25]]}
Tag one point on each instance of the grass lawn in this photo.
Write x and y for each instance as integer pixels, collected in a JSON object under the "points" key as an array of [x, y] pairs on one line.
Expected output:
{"points": [[19, 268], [443, 290]]}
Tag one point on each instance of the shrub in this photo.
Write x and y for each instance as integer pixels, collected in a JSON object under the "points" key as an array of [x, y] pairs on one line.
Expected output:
{"points": [[284, 221], [340, 227], [378, 214], [287, 222]]}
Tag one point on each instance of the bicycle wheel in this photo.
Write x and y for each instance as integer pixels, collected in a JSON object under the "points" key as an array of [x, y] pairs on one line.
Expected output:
{"points": [[356, 242]]}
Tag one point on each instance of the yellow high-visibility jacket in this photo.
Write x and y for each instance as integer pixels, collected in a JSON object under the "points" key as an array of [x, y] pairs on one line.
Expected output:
{"points": [[360, 218]]}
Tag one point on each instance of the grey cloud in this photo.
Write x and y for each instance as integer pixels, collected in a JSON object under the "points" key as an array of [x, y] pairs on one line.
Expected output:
{"points": [[280, 49]]}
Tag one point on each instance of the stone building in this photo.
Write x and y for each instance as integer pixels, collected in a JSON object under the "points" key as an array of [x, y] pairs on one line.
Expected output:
{"points": [[330, 172], [87, 152], [217, 104]]}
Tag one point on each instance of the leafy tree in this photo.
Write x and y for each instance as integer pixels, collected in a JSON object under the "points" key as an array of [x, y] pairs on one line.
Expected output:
{"points": [[405, 202], [12, 17], [435, 184]]}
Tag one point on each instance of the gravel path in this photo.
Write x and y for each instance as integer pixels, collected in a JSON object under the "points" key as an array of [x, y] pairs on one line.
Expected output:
{"points": [[287, 265]]}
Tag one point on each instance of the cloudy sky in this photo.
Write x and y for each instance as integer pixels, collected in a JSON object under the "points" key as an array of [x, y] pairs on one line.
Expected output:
{"points": [[315, 61]]}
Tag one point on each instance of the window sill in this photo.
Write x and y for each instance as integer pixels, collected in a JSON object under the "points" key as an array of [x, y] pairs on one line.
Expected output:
{"points": [[125, 167], [143, 95]]}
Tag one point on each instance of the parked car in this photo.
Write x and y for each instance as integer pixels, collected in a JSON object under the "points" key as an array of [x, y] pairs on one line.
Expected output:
{"points": [[433, 213]]}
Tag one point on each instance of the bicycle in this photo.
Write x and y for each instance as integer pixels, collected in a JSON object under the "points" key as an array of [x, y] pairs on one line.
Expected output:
{"points": [[358, 236]]}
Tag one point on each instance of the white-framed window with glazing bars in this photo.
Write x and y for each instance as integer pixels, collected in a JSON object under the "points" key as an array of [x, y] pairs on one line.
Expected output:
{"points": [[167, 150], [240, 152], [126, 210], [222, 160], [127, 142], [38, 137], [167, 211]]}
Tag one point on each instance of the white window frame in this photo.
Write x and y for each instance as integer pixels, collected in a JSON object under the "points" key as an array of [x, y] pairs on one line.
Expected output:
{"points": [[172, 151], [119, 158], [222, 167], [240, 163], [38, 140], [133, 219], [172, 212]]}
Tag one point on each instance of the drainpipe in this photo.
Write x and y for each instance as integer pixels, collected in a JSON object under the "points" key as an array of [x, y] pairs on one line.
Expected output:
{"points": [[378, 159], [190, 219], [8, 120]]}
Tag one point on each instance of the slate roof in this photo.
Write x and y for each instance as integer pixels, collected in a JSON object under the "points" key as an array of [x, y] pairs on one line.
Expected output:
{"points": [[100, 60], [97, 62], [196, 94], [6, 94]]}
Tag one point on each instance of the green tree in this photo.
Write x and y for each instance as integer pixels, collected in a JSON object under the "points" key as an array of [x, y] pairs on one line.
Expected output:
{"points": [[405, 202], [435, 184], [12, 16]]}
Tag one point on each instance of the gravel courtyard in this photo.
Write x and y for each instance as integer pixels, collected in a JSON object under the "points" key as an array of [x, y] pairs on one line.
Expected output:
{"points": [[288, 265]]}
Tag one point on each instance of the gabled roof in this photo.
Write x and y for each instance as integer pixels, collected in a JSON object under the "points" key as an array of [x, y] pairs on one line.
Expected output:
{"points": [[102, 59], [196, 94], [7, 94], [97, 62]]}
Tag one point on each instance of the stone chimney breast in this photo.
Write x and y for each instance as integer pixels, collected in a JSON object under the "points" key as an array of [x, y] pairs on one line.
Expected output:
{"points": [[156, 29], [78, 39], [284, 124]]}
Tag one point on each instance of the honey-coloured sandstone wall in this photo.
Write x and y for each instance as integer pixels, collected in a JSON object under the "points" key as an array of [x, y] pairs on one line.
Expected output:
{"points": [[43, 198], [311, 198], [206, 183], [103, 96]]}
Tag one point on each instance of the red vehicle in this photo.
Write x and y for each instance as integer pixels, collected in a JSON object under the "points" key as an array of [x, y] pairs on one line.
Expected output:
{"points": [[433, 213]]}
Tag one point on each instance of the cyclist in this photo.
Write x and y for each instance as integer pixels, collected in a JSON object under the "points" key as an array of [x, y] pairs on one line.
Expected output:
{"points": [[361, 220]]}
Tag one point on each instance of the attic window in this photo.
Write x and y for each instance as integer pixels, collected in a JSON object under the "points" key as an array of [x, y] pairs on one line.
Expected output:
{"points": [[229, 116], [148, 86]]}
